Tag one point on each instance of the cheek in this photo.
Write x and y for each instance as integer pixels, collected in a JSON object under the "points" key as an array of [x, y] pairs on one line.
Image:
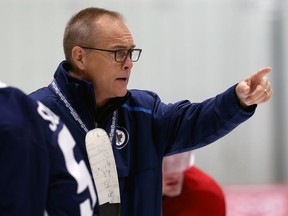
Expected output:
{"points": [[98, 74]]}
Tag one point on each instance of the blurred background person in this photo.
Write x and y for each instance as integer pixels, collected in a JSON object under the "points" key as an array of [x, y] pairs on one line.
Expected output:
{"points": [[188, 191]]}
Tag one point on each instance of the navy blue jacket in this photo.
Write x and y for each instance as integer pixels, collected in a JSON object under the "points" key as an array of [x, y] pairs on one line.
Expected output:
{"points": [[38, 172], [147, 130]]}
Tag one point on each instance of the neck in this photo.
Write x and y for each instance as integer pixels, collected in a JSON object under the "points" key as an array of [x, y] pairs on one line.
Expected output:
{"points": [[100, 104], [101, 101], [77, 75]]}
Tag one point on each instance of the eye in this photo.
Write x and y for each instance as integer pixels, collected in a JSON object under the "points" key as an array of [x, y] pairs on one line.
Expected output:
{"points": [[122, 53]]}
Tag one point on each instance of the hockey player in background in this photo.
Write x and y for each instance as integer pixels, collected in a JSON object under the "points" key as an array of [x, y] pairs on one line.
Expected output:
{"points": [[42, 170]]}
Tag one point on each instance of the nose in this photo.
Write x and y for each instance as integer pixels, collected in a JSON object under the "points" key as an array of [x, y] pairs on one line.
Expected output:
{"points": [[127, 64]]}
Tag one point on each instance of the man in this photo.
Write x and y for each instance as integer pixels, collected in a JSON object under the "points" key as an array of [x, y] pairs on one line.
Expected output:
{"points": [[39, 161], [90, 90], [188, 191]]}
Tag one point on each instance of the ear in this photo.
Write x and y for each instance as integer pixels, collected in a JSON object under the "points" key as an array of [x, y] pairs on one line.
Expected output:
{"points": [[77, 56]]}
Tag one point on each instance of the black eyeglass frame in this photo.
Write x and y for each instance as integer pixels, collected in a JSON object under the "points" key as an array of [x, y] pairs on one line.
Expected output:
{"points": [[129, 52]]}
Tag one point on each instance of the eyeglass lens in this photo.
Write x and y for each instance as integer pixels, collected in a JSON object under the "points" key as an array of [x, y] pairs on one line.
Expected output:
{"points": [[121, 55]]}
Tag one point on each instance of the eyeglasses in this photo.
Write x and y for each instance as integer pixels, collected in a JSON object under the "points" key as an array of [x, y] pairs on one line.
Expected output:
{"points": [[121, 54]]}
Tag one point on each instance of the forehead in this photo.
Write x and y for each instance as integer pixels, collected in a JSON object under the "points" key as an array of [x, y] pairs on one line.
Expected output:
{"points": [[113, 32], [176, 163]]}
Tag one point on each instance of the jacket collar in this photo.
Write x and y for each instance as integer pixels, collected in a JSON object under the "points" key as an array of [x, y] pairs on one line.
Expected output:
{"points": [[80, 94]]}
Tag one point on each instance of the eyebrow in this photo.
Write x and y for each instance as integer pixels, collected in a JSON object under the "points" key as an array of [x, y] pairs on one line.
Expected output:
{"points": [[124, 47]]}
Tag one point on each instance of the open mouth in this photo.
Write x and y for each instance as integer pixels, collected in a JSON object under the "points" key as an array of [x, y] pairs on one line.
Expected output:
{"points": [[123, 80], [173, 183]]}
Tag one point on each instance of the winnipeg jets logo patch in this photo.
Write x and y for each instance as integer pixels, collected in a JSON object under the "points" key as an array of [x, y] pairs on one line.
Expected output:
{"points": [[122, 137]]}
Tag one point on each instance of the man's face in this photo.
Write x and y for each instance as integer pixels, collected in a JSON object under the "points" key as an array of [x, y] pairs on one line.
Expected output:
{"points": [[110, 78]]}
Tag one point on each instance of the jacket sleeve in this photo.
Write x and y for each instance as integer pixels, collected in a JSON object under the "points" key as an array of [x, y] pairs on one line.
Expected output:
{"points": [[186, 126]]}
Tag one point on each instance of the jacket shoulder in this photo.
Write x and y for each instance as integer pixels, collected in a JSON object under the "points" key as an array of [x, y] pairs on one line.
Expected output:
{"points": [[46, 96], [143, 95]]}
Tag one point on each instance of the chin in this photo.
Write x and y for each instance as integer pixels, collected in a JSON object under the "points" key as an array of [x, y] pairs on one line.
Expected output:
{"points": [[174, 193], [122, 93]]}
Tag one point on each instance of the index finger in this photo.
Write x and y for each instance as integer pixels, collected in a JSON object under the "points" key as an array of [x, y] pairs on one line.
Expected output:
{"points": [[262, 72]]}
